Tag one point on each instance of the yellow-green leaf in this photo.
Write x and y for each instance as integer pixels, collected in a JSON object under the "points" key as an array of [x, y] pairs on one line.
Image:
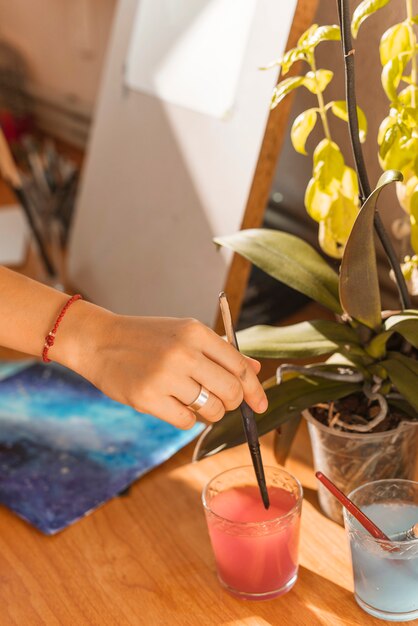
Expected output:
{"points": [[304, 36], [413, 216], [359, 284], [336, 227], [389, 121], [399, 154], [339, 108], [362, 12], [323, 33], [284, 88], [350, 185], [317, 201], [394, 41], [317, 81], [285, 62], [407, 95], [392, 74], [301, 129], [328, 164]]}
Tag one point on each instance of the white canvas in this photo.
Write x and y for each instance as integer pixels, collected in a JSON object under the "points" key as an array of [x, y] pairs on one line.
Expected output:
{"points": [[162, 180], [190, 52]]}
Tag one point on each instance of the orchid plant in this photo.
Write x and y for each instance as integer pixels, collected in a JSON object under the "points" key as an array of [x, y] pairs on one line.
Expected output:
{"points": [[366, 350]]}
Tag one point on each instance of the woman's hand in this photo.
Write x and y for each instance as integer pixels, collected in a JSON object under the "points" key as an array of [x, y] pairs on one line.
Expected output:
{"points": [[157, 364]]}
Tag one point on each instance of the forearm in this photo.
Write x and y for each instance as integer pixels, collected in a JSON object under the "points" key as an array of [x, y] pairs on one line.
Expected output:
{"points": [[156, 365], [28, 310]]}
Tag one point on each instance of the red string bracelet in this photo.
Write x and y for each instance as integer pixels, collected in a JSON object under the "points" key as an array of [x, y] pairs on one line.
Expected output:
{"points": [[50, 338]]}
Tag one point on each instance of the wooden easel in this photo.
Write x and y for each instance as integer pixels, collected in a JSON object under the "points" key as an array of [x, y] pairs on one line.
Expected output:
{"points": [[270, 149]]}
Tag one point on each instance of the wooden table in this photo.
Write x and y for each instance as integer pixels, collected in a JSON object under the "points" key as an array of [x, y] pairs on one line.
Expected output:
{"points": [[145, 559]]}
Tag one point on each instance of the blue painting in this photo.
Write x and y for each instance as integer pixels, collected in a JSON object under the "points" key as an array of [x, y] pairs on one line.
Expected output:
{"points": [[65, 448]]}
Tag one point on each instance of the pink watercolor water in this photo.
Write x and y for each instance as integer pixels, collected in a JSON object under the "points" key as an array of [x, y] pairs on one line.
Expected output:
{"points": [[255, 560]]}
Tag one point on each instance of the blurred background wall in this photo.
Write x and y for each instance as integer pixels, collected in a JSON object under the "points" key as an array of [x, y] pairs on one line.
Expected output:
{"points": [[63, 44]]}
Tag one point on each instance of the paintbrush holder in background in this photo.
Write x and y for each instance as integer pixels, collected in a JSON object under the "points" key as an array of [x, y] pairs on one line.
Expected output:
{"points": [[49, 184]]}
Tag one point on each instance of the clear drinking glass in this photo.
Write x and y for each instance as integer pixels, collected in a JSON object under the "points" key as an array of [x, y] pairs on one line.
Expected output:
{"points": [[256, 551], [385, 573]]}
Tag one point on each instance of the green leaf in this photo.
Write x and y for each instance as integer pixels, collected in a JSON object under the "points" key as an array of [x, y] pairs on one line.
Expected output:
{"points": [[393, 42], [403, 373], [288, 259], [323, 33], [363, 11], [301, 129], [355, 361], [405, 324], [339, 108], [404, 406], [359, 285], [317, 81], [284, 88], [328, 164], [297, 340], [286, 401]]}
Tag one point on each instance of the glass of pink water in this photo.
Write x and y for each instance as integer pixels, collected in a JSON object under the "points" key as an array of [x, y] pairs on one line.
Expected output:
{"points": [[256, 550]]}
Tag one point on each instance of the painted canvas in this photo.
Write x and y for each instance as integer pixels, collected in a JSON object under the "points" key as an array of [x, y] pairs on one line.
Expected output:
{"points": [[65, 448]]}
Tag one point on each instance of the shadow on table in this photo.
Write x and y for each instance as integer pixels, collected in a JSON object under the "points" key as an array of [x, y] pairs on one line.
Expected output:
{"points": [[311, 496]]}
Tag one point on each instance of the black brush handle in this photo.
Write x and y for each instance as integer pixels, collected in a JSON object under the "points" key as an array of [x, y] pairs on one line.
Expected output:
{"points": [[251, 433]]}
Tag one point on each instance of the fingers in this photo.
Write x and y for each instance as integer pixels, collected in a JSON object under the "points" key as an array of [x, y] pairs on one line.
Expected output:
{"points": [[256, 365], [230, 359], [188, 390], [174, 412], [220, 382]]}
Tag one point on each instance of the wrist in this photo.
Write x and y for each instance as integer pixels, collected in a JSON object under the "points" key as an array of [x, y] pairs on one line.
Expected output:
{"points": [[80, 335]]}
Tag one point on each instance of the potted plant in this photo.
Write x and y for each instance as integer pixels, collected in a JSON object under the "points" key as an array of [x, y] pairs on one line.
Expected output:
{"points": [[362, 402]]}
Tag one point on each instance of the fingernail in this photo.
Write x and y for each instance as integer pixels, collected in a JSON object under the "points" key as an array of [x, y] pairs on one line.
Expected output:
{"points": [[263, 405]]}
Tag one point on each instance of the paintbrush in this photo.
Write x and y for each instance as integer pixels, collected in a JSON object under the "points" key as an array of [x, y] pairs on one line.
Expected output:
{"points": [[248, 420], [12, 177], [406, 535]]}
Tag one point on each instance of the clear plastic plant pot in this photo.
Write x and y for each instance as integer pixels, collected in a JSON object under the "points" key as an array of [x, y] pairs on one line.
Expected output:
{"points": [[353, 459]]}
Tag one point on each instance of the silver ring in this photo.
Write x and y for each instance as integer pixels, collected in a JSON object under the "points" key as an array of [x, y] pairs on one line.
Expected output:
{"points": [[200, 401]]}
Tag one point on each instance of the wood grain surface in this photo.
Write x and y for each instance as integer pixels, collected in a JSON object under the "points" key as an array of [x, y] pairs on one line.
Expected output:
{"points": [[145, 558]]}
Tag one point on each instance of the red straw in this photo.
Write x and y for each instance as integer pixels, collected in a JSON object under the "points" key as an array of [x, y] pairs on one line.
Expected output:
{"points": [[352, 508]]}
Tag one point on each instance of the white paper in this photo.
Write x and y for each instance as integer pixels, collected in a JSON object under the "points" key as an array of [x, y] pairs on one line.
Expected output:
{"points": [[13, 235], [190, 52]]}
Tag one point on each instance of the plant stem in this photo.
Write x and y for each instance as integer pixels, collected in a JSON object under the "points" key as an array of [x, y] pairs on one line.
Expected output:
{"points": [[321, 103], [344, 17], [409, 13]]}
